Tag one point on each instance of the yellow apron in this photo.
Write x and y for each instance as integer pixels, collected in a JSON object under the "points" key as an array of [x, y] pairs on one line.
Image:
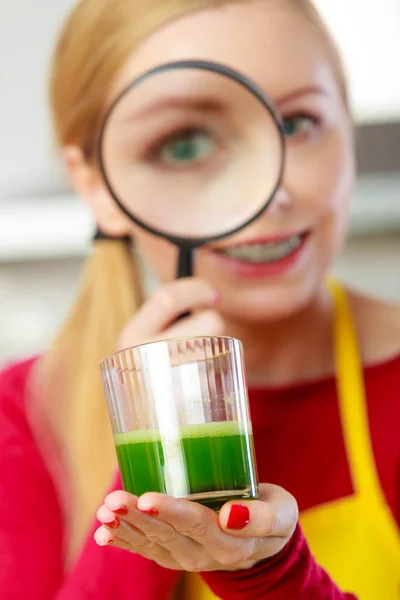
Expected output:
{"points": [[355, 539]]}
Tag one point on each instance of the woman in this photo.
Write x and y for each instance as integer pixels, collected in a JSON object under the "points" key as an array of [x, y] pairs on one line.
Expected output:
{"points": [[331, 440]]}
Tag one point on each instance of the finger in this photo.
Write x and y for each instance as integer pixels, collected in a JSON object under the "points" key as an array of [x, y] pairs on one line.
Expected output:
{"points": [[165, 306], [190, 555], [275, 514], [206, 323], [104, 537], [192, 521], [147, 533], [126, 532]]}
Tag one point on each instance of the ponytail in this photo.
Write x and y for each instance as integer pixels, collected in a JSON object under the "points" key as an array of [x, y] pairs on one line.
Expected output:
{"points": [[73, 401]]}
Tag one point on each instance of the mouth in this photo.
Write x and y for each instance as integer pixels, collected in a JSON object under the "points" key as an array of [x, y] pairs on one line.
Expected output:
{"points": [[264, 252]]}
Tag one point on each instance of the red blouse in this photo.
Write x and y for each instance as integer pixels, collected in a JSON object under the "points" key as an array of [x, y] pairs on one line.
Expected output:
{"points": [[299, 445]]}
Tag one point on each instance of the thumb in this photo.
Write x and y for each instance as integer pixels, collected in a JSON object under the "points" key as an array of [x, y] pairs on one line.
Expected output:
{"points": [[274, 514]]}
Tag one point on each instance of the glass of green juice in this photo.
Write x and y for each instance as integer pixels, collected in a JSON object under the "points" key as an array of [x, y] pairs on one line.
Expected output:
{"points": [[180, 417]]}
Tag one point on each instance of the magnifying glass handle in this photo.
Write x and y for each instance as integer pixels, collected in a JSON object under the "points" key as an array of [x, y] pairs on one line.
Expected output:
{"points": [[185, 268], [185, 265]]}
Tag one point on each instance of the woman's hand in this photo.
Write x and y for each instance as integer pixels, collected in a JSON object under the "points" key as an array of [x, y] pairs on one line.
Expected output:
{"points": [[186, 536], [157, 318]]}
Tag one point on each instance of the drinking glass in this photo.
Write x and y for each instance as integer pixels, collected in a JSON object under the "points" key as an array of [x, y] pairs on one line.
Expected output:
{"points": [[180, 418]]}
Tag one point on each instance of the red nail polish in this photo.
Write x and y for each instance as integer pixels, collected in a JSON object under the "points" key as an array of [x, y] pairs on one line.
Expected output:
{"points": [[153, 512], [239, 517], [217, 297], [114, 524], [122, 512]]}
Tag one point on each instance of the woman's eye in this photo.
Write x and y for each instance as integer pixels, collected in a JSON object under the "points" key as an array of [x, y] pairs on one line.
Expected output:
{"points": [[188, 147], [297, 125]]}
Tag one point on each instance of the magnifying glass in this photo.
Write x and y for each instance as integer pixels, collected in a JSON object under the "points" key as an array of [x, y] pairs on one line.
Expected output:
{"points": [[193, 152]]}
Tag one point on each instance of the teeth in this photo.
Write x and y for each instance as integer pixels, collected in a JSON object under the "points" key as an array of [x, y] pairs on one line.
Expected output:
{"points": [[269, 252]]}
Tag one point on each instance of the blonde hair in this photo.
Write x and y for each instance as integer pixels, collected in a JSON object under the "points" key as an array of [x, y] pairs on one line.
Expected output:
{"points": [[95, 41]]}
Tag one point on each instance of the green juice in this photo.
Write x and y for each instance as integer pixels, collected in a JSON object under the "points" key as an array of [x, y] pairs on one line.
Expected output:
{"points": [[216, 462]]}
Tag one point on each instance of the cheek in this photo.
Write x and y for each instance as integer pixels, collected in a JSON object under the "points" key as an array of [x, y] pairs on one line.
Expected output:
{"points": [[323, 179], [337, 176]]}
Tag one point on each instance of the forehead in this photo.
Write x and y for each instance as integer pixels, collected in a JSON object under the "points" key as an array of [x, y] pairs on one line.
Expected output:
{"points": [[267, 40]]}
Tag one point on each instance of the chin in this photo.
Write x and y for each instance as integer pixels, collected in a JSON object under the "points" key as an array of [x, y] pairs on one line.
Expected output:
{"points": [[270, 304]]}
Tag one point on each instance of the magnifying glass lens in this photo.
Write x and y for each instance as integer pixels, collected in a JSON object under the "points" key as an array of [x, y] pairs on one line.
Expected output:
{"points": [[191, 153]]}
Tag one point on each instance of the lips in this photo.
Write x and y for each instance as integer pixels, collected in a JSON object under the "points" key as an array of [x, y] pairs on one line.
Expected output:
{"points": [[264, 258], [262, 251]]}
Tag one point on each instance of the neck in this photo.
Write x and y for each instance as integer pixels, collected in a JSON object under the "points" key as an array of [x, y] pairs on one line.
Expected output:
{"points": [[294, 349]]}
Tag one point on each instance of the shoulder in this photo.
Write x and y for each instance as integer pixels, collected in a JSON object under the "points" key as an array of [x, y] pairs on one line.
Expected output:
{"points": [[14, 384], [14, 378], [378, 327]]}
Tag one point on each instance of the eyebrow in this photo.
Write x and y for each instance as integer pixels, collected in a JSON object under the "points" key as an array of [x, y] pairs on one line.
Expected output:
{"points": [[298, 93], [181, 103], [210, 105]]}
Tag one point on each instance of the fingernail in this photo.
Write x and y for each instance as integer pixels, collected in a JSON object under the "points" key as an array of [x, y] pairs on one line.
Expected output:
{"points": [[217, 297], [122, 512], [153, 512], [104, 543], [239, 517], [114, 524]]}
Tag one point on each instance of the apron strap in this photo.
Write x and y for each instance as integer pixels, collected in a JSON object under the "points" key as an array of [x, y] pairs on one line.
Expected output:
{"points": [[352, 400]]}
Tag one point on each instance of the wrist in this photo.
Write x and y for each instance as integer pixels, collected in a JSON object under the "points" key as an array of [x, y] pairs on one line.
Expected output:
{"points": [[267, 561], [263, 574]]}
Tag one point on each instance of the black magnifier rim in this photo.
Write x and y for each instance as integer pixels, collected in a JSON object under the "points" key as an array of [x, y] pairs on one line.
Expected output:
{"points": [[219, 69]]}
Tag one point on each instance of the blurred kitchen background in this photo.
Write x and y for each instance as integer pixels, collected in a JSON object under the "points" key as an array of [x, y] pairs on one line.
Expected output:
{"points": [[45, 231]]}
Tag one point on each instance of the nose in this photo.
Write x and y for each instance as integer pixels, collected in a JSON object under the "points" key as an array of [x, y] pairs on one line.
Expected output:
{"points": [[281, 202]]}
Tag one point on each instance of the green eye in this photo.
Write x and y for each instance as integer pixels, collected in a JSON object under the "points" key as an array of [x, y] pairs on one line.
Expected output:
{"points": [[293, 126], [189, 147]]}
